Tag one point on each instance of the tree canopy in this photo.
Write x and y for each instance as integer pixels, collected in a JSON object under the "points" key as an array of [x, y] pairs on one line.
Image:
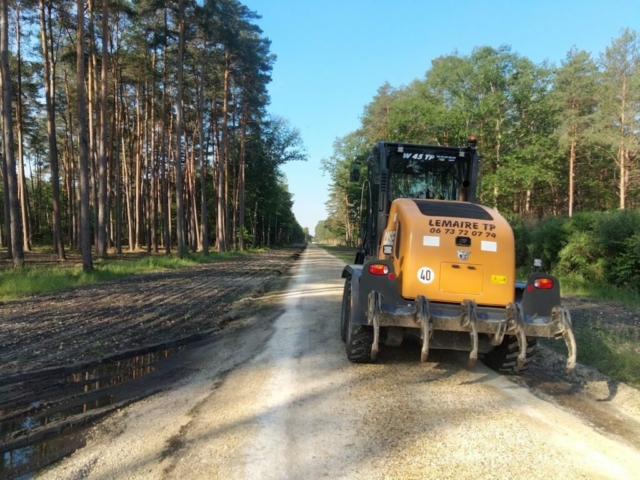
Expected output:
{"points": [[555, 139]]}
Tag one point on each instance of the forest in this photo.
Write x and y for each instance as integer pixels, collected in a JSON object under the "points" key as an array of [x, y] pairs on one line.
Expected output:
{"points": [[140, 125], [555, 140]]}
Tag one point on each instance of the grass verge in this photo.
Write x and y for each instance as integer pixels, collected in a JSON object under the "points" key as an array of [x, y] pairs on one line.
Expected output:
{"points": [[607, 341], [347, 254], [606, 350], [578, 287], [33, 280]]}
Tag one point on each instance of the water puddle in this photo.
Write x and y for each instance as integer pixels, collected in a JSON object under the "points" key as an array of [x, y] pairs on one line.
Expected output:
{"points": [[38, 433]]}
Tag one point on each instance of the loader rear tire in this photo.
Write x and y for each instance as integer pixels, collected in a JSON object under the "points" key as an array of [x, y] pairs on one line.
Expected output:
{"points": [[503, 358], [346, 309]]}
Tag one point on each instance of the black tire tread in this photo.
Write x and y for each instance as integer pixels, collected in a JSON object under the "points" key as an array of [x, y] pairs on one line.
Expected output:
{"points": [[359, 342], [503, 358], [345, 310]]}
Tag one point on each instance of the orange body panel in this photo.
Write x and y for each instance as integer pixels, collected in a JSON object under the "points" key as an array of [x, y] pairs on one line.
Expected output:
{"points": [[428, 262]]}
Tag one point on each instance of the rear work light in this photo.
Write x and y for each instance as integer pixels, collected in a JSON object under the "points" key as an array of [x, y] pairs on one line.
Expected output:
{"points": [[378, 269], [543, 283]]}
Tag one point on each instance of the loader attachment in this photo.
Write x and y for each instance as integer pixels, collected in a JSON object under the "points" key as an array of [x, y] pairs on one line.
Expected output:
{"points": [[538, 315], [493, 323]]}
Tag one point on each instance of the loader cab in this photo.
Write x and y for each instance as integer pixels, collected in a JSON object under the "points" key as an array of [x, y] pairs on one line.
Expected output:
{"points": [[400, 170]]}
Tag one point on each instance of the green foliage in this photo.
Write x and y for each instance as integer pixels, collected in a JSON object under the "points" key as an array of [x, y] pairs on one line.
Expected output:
{"points": [[626, 266], [325, 234], [522, 238], [346, 254], [269, 202], [344, 203], [546, 238], [591, 248], [533, 121], [602, 247], [608, 347]]}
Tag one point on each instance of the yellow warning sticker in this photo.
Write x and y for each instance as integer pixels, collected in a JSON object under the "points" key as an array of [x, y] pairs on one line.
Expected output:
{"points": [[499, 279]]}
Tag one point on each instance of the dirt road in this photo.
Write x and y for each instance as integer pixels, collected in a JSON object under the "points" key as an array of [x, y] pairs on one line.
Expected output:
{"points": [[278, 399]]}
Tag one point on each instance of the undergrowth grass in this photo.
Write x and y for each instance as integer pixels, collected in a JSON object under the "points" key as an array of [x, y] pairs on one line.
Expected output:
{"points": [[579, 287], [606, 350], [347, 254], [608, 345], [32, 280]]}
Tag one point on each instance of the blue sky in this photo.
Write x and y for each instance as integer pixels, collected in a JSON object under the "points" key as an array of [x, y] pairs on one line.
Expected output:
{"points": [[333, 55]]}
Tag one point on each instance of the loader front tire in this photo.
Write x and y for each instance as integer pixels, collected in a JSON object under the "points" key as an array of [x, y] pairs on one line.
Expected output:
{"points": [[503, 358], [359, 342], [358, 338], [346, 309]]}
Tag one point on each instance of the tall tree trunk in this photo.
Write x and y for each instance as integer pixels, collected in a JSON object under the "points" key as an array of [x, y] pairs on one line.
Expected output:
{"points": [[194, 200], [154, 168], [23, 195], [92, 89], [170, 156], [223, 216], [622, 183], [117, 217], [126, 178], [215, 161], [241, 179], [164, 158], [179, 126], [101, 246], [49, 89], [83, 152], [7, 213], [138, 173], [572, 166], [15, 221], [498, 130], [70, 169], [622, 157], [203, 166], [254, 238], [147, 200]]}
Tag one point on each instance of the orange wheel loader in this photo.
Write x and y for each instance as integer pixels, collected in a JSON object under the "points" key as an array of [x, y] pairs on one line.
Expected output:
{"points": [[434, 263]]}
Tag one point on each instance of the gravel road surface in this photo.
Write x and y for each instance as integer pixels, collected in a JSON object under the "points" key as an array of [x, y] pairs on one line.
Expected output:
{"points": [[277, 399]]}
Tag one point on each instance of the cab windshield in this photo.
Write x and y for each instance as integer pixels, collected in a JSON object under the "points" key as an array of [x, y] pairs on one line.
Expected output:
{"points": [[427, 176]]}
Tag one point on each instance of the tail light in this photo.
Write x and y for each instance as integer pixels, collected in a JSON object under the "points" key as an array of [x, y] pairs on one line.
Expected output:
{"points": [[543, 283], [378, 269]]}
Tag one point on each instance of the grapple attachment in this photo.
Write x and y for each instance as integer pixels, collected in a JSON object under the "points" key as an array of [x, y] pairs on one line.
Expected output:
{"points": [[539, 315]]}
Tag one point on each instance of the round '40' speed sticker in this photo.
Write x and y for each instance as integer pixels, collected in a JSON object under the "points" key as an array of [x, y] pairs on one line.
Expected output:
{"points": [[426, 275]]}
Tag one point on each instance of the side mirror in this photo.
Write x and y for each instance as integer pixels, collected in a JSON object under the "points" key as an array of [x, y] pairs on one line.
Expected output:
{"points": [[354, 175]]}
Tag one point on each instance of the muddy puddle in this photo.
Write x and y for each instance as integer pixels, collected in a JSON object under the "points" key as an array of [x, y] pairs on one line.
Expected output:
{"points": [[36, 431]]}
